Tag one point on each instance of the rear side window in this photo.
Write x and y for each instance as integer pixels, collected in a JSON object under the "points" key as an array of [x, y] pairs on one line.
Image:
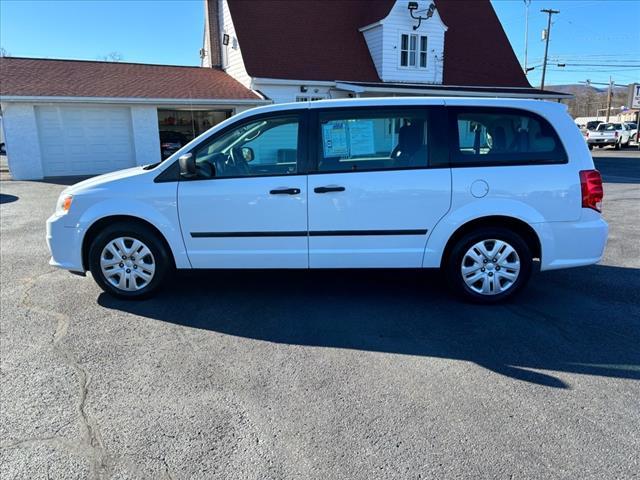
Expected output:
{"points": [[504, 137], [352, 140]]}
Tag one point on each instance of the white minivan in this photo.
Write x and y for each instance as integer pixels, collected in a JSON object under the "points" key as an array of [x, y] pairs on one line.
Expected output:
{"points": [[478, 187]]}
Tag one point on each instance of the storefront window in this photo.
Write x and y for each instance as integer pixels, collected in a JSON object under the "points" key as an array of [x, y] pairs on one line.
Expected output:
{"points": [[179, 127]]}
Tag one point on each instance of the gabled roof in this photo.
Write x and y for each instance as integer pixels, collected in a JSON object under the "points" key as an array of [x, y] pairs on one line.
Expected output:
{"points": [[319, 40], [37, 77]]}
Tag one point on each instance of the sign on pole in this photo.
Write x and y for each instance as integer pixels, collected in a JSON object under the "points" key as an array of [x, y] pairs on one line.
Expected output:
{"points": [[634, 95]]}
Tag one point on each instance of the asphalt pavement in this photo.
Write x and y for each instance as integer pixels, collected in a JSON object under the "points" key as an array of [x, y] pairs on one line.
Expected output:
{"points": [[319, 375]]}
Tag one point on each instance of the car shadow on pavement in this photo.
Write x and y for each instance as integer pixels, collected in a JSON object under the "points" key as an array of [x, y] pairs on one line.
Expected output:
{"points": [[582, 321], [619, 169], [6, 198]]}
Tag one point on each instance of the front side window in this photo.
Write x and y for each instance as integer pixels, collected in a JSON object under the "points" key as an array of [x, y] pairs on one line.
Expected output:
{"points": [[413, 50], [494, 136], [262, 147], [372, 140]]}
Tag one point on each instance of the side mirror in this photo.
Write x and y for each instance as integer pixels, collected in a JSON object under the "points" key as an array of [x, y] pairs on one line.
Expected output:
{"points": [[247, 154], [188, 166]]}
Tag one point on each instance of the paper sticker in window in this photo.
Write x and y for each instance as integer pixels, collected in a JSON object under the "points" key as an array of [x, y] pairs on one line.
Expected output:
{"points": [[361, 138], [334, 139]]}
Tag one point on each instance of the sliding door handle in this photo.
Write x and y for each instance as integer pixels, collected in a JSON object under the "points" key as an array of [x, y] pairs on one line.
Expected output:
{"points": [[328, 189], [285, 191]]}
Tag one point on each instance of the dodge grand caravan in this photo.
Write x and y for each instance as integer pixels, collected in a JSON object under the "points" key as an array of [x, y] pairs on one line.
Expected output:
{"points": [[480, 188]]}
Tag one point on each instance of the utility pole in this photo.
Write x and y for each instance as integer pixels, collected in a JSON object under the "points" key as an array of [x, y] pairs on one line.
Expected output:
{"points": [[526, 33], [546, 46], [609, 98]]}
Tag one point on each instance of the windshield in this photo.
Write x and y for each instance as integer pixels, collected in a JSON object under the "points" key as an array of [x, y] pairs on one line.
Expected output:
{"points": [[609, 127]]}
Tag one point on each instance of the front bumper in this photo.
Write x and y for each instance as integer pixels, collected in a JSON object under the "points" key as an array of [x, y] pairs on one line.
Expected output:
{"points": [[65, 244]]}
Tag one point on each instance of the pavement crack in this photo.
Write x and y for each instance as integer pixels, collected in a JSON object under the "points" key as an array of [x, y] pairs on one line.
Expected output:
{"points": [[90, 445], [167, 471]]}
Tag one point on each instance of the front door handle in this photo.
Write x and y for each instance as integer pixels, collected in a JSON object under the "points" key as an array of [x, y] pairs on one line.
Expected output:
{"points": [[328, 189], [285, 191]]}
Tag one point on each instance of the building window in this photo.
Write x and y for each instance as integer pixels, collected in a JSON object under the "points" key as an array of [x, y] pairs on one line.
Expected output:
{"points": [[413, 50], [305, 98]]}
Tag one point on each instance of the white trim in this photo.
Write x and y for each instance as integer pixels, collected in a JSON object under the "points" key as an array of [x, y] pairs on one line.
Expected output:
{"points": [[437, 92], [370, 26], [135, 100], [282, 81]]}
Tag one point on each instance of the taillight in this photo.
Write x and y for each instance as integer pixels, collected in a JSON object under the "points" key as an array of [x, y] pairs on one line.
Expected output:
{"points": [[591, 186], [586, 134], [616, 134]]}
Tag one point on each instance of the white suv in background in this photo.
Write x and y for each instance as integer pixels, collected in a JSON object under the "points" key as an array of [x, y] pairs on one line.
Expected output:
{"points": [[477, 187]]}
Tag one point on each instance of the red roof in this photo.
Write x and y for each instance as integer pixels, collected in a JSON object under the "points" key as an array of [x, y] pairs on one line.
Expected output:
{"points": [[309, 40], [78, 78]]}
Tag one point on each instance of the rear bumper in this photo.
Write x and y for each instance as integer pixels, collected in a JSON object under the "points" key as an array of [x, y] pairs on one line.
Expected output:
{"points": [[65, 244], [572, 244], [603, 141]]}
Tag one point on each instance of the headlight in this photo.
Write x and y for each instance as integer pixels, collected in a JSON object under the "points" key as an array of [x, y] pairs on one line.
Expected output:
{"points": [[64, 204]]}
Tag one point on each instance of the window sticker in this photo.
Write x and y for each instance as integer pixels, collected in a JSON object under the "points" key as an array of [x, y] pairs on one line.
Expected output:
{"points": [[334, 139], [361, 138]]}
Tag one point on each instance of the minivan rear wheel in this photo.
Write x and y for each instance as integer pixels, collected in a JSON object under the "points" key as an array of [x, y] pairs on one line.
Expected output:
{"points": [[128, 261], [489, 265]]}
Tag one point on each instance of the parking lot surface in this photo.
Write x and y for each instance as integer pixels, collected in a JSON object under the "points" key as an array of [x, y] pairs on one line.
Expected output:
{"points": [[317, 375]]}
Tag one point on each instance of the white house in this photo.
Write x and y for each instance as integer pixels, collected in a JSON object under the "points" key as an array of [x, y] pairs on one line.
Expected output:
{"points": [[298, 50], [66, 117]]}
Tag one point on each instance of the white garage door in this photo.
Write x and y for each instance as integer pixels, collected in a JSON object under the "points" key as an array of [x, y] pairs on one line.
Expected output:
{"points": [[84, 140]]}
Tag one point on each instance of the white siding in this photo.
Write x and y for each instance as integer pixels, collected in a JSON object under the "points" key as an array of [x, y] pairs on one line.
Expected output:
{"points": [[232, 61], [396, 23], [146, 135], [374, 38], [21, 139], [289, 93]]}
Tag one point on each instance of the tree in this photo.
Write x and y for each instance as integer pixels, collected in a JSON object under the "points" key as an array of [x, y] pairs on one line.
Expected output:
{"points": [[112, 57]]}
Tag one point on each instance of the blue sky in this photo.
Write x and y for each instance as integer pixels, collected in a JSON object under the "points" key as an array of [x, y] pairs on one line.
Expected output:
{"points": [[600, 32]]}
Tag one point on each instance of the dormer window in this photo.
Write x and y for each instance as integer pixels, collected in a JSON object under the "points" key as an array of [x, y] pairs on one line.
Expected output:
{"points": [[413, 50]]}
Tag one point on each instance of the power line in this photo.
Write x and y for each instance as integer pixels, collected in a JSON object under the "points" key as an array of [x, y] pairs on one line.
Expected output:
{"points": [[600, 65]]}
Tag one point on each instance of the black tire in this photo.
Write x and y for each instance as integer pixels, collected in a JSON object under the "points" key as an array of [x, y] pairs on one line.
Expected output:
{"points": [[590, 147], [454, 264], [160, 258], [617, 146]]}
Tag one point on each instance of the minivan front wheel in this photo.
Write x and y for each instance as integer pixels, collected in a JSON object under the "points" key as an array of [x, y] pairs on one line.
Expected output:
{"points": [[128, 261], [489, 265]]}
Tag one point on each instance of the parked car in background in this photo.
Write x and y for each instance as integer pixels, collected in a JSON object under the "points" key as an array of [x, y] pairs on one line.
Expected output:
{"points": [[633, 130], [609, 134], [366, 183], [171, 142], [592, 125]]}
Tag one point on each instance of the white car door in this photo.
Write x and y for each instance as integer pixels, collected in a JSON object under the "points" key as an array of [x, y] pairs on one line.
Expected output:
{"points": [[381, 183], [248, 206]]}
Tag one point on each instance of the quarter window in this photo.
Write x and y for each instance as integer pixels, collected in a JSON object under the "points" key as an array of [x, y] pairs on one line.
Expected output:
{"points": [[372, 140], [493, 136], [413, 50], [261, 147]]}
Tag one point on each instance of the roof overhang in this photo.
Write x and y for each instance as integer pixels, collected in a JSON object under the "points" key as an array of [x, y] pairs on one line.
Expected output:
{"points": [[448, 90], [135, 100]]}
